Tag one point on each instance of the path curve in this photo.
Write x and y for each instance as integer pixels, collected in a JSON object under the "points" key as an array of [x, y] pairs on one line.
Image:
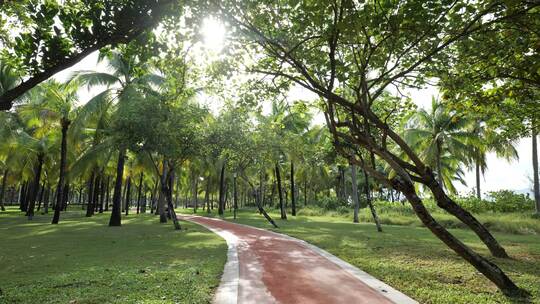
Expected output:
{"points": [[267, 267]]}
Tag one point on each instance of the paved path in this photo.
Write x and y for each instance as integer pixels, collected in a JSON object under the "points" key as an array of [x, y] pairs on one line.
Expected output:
{"points": [[267, 267]]}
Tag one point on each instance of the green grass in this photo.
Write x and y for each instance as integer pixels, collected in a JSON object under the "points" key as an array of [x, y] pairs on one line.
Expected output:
{"points": [[81, 260], [411, 259], [396, 214]]}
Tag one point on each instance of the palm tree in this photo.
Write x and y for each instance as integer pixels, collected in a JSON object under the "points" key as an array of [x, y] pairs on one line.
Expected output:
{"points": [[486, 140], [121, 84], [442, 138], [55, 104]]}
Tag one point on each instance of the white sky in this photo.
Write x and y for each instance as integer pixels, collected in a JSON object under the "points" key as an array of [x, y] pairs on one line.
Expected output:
{"points": [[515, 175]]}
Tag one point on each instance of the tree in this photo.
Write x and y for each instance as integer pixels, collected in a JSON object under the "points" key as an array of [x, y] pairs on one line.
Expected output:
{"points": [[442, 140], [40, 47], [367, 48]]}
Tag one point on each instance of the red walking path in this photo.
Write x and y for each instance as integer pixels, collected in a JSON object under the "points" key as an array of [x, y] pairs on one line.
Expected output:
{"points": [[266, 267]]}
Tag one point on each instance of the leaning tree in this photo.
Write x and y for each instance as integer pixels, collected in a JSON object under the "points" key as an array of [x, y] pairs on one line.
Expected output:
{"points": [[367, 47]]}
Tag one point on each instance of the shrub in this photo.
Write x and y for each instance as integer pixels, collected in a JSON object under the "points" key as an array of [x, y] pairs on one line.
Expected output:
{"points": [[331, 203], [509, 201]]}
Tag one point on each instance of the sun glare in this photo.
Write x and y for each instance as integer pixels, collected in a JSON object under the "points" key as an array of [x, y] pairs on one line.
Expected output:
{"points": [[213, 32]]}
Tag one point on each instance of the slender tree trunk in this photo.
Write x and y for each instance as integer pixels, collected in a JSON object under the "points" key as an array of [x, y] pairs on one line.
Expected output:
{"points": [[65, 195], [46, 202], [293, 192], [91, 193], [116, 216], [490, 270], [370, 203], [280, 194], [207, 194], [439, 165], [128, 194], [35, 186], [354, 193], [195, 196], [221, 190], [40, 196], [305, 191], [478, 192], [235, 196], [102, 193], [536, 182], [3, 190], [161, 199], [172, 213], [139, 194], [63, 151], [108, 194]]}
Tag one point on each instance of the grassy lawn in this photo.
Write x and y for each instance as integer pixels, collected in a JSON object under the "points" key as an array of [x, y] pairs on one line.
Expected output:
{"points": [[411, 259], [81, 260]]}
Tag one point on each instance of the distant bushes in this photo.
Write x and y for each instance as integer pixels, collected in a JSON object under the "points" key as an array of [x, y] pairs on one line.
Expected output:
{"points": [[503, 211], [498, 201]]}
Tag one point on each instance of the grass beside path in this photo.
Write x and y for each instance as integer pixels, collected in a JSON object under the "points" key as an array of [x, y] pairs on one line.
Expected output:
{"points": [[411, 259], [82, 260]]}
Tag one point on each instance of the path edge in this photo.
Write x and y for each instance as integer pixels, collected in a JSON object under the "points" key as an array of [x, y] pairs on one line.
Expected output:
{"points": [[227, 291]]}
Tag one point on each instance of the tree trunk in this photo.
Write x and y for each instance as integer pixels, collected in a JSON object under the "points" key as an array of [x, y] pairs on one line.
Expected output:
{"points": [[293, 192], [195, 194], [102, 194], [439, 165], [172, 213], [128, 194], [446, 203], [46, 200], [40, 196], [280, 194], [207, 194], [3, 190], [478, 192], [490, 270], [235, 196], [139, 193], [65, 195], [221, 190], [116, 216], [35, 187], [91, 193], [60, 188], [162, 194], [370, 203], [354, 193], [108, 193], [536, 182]]}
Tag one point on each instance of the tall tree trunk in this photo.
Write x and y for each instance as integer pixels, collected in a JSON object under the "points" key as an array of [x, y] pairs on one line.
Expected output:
{"points": [[35, 186], [490, 270], [108, 193], [60, 188], [439, 164], [235, 196], [207, 194], [172, 213], [370, 203], [139, 194], [91, 193], [305, 191], [195, 194], [128, 194], [221, 190], [40, 196], [280, 194], [65, 195], [102, 193], [354, 193], [536, 182], [46, 201], [477, 169], [3, 190], [162, 194], [116, 216], [293, 193]]}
